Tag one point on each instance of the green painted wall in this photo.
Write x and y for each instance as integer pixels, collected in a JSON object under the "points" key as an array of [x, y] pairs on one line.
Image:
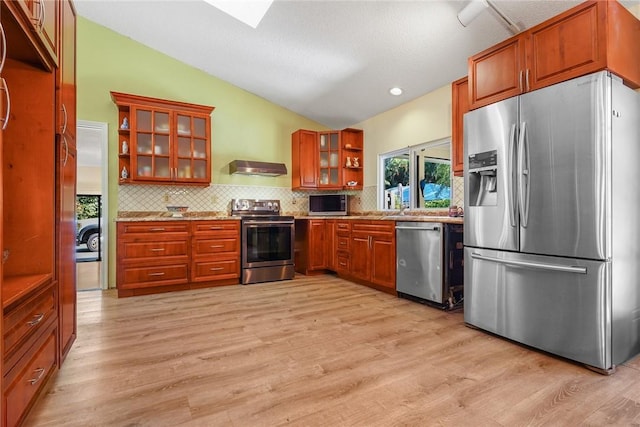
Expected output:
{"points": [[244, 126]]}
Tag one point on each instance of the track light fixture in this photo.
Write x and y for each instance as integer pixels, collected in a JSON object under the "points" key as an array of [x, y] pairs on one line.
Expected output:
{"points": [[476, 7]]}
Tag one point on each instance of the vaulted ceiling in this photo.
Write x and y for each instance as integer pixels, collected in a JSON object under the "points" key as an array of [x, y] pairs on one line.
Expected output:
{"points": [[329, 60]]}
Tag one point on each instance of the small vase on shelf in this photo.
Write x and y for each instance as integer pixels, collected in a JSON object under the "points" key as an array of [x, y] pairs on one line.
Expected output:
{"points": [[125, 124], [124, 174], [125, 147], [356, 162], [348, 162]]}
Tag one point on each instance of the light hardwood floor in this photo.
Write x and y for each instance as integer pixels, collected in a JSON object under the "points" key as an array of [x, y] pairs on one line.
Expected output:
{"points": [[314, 351]]}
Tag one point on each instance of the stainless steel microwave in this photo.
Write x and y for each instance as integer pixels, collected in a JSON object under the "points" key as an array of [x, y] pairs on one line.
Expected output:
{"points": [[328, 204]]}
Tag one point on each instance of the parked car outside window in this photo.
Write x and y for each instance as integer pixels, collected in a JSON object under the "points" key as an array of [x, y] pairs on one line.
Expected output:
{"points": [[88, 233]]}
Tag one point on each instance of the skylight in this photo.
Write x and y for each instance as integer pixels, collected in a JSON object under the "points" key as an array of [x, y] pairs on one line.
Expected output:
{"points": [[249, 12]]}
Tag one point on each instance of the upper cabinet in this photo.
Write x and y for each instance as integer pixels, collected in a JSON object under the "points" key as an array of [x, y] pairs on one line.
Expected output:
{"points": [[459, 106], [592, 36], [38, 19], [327, 160], [163, 142]]}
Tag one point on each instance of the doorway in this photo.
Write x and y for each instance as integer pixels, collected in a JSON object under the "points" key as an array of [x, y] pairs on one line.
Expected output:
{"points": [[91, 206]]}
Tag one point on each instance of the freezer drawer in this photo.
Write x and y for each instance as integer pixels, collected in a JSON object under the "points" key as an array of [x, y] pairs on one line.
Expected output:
{"points": [[559, 305]]}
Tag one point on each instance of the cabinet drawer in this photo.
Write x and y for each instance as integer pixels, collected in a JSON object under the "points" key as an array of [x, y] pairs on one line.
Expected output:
{"points": [[215, 246], [343, 227], [27, 378], [216, 270], [377, 229], [27, 318], [343, 243], [216, 227], [155, 227], [160, 275], [134, 250], [343, 263]]}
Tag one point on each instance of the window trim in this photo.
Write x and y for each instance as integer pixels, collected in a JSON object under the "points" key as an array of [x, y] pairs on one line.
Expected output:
{"points": [[411, 151]]}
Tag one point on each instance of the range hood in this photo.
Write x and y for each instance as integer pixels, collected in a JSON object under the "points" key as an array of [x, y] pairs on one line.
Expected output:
{"points": [[252, 167]]}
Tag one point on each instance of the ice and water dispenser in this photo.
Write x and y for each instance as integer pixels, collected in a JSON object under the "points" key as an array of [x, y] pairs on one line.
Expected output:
{"points": [[483, 179]]}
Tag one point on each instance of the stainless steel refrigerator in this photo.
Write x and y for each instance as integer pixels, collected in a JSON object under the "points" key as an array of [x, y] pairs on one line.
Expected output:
{"points": [[552, 235]]}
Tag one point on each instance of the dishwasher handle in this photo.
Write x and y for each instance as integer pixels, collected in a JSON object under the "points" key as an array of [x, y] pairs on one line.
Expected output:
{"points": [[400, 227]]}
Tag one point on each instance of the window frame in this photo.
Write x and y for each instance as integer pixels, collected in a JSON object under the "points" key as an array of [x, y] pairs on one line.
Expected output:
{"points": [[412, 151]]}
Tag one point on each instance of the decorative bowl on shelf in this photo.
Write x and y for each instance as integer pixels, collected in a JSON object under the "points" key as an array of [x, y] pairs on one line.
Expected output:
{"points": [[352, 183], [177, 211]]}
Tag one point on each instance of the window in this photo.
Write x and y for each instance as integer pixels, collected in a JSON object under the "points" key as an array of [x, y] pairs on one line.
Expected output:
{"points": [[418, 177]]}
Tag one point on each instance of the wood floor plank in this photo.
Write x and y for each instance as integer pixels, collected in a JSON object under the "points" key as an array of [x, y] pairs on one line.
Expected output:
{"points": [[313, 351]]}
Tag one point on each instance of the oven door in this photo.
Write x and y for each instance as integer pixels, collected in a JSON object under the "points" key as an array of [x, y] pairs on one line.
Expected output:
{"points": [[267, 243]]}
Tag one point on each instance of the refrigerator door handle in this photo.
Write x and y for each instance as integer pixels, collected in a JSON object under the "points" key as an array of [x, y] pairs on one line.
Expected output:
{"points": [[532, 265], [511, 188], [523, 172]]}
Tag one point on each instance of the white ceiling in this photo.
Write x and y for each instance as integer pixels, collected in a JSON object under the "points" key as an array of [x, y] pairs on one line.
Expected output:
{"points": [[331, 61]]}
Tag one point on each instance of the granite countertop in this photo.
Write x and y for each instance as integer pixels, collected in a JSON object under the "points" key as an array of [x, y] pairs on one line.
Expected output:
{"points": [[124, 216], [382, 217]]}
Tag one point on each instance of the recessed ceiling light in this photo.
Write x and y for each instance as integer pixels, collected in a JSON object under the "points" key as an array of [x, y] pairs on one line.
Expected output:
{"points": [[396, 91], [250, 12]]}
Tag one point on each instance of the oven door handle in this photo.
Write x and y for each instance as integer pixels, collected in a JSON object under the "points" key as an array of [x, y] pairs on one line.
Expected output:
{"points": [[269, 223]]}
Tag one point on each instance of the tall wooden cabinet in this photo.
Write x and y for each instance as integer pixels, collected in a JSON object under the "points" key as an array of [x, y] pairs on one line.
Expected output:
{"points": [[327, 160], [163, 142], [66, 177], [37, 199], [459, 106], [592, 36]]}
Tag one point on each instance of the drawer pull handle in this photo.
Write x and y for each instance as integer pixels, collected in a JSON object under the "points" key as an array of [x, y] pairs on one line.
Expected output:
{"points": [[217, 246], [36, 319], [157, 229], [158, 249], [156, 274], [344, 264], [216, 228], [39, 373], [216, 268]]}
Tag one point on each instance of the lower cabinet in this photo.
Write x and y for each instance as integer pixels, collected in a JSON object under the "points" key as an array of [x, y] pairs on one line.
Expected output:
{"points": [[342, 247], [373, 252], [30, 350], [215, 252], [162, 256], [310, 246], [360, 250]]}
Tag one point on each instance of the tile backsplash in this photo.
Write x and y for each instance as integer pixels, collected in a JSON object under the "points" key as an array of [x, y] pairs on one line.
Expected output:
{"points": [[217, 198]]}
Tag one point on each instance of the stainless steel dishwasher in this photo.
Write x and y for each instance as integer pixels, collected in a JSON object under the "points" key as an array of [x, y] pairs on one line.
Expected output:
{"points": [[428, 265]]}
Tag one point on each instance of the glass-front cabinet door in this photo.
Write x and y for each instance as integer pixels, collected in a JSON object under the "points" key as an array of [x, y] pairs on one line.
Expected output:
{"points": [[329, 159], [151, 144], [192, 160], [163, 141]]}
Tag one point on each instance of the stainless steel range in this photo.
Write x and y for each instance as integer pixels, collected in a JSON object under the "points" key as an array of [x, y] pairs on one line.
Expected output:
{"points": [[267, 240]]}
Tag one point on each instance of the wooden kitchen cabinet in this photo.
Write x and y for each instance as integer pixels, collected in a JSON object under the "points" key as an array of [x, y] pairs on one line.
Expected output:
{"points": [[167, 142], [66, 179], [373, 253], [592, 36], [152, 256], [215, 252], [327, 160], [30, 341], [459, 106], [37, 199], [304, 156], [310, 246], [162, 256], [352, 148], [342, 247], [38, 22]]}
